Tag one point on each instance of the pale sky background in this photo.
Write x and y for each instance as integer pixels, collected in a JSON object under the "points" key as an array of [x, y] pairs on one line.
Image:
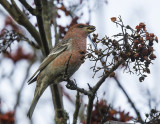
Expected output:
{"points": [[132, 12]]}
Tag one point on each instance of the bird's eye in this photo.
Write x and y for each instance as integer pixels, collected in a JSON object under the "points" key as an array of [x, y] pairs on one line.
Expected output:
{"points": [[80, 26]]}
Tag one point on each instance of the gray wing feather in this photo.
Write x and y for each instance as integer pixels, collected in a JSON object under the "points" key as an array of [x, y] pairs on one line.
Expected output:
{"points": [[56, 51]]}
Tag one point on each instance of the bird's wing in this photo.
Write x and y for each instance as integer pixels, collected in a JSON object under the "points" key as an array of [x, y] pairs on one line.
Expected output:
{"points": [[56, 51]]}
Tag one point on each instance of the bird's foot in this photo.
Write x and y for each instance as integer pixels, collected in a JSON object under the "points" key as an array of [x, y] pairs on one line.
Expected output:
{"points": [[71, 84]]}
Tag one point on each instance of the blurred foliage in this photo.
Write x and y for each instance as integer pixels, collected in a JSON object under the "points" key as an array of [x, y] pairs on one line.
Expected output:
{"points": [[6, 118], [103, 113]]}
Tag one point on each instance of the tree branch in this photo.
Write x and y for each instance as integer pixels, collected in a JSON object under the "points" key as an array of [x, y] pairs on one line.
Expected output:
{"points": [[75, 116], [47, 13], [96, 87], [54, 22], [99, 83], [41, 26], [31, 42], [21, 19], [60, 114], [28, 7], [89, 109], [72, 86], [129, 99]]}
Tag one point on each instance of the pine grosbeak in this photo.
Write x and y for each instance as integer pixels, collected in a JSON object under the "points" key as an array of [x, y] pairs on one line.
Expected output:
{"points": [[69, 52]]}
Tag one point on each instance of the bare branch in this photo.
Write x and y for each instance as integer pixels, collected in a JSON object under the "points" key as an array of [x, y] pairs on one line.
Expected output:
{"points": [[89, 109], [28, 7], [96, 87], [71, 85], [30, 42], [47, 14], [129, 100], [41, 26], [99, 83], [60, 114], [44, 25], [75, 116], [20, 18]]}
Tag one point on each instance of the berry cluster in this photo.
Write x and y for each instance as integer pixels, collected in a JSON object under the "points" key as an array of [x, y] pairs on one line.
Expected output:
{"points": [[143, 44], [132, 46]]}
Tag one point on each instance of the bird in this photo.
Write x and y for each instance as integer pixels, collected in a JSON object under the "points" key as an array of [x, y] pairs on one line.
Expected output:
{"points": [[66, 57]]}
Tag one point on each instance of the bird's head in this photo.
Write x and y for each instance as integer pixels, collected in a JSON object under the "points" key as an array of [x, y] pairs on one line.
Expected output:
{"points": [[82, 29]]}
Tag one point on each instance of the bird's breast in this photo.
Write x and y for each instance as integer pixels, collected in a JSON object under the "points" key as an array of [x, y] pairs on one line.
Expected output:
{"points": [[69, 60]]}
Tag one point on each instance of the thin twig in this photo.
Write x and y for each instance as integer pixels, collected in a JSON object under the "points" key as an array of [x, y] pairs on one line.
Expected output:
{"points": [[129, 100], [99, 83], [29, 41]]}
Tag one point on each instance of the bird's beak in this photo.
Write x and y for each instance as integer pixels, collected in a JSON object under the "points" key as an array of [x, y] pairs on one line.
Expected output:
{"points": [[91, 29]]}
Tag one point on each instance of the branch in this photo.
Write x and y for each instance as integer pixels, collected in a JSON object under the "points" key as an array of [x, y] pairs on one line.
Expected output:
{"points": [[54, 22], [89, 109], [41, 26], [60, 114], [20, 18], [47, 13], [72, 86], [129, 100], [96, 87], [31, 42], [75, 116], [28, 7], [99, 83]]}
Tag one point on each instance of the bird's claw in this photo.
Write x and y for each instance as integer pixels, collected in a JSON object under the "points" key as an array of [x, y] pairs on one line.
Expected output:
{"points": [[71, 84]]}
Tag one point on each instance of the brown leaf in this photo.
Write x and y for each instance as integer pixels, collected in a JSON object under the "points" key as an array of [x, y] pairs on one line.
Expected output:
{"points": [[113, 19]]}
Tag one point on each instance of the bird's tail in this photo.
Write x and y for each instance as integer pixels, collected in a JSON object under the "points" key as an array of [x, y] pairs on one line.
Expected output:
{"points": [[33, 105], [37, 95]]}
